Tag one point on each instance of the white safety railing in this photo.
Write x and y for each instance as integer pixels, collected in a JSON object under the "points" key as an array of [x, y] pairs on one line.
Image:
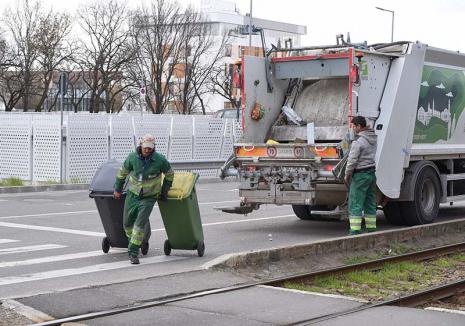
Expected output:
{"points": [[36, 147]]}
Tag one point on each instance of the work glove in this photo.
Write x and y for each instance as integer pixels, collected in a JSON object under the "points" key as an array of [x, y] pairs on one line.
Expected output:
{"points": [[347, 180], [164, 191]]}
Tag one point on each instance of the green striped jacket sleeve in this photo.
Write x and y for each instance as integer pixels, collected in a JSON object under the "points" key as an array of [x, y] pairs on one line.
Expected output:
{"points": [[123, 172]]}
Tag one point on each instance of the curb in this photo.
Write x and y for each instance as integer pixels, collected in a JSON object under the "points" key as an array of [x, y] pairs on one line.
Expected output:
{"points": [[345, 245], [26, 311], [81, 186]]}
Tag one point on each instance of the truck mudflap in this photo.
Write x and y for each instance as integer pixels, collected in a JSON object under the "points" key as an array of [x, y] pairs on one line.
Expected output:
{"points": [[293, 173]]}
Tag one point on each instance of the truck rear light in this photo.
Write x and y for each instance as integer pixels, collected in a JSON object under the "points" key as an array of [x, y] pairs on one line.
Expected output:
{"points": [[329, 167]]}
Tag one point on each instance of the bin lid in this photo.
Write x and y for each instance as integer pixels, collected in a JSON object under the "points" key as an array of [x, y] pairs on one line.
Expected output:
{"points": [[105, 177], [182, 186]]}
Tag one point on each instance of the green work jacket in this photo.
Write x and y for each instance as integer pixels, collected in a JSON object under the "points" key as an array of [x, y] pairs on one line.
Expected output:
{"points": [[145, 175]]}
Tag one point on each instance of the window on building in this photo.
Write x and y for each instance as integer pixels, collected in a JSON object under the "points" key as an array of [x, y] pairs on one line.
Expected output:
{"points": [[228, 50]]}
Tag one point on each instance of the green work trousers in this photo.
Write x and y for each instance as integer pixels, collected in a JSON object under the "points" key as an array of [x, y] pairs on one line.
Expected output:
{"points": [[136, 216], [362, 201]]}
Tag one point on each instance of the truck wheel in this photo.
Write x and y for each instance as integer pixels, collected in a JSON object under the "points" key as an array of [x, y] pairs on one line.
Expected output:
{"points": [[302, 212], [425, 205], [393, 214]]}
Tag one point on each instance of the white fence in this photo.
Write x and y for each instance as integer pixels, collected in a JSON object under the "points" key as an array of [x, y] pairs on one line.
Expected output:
{"points": [[30, 146]]}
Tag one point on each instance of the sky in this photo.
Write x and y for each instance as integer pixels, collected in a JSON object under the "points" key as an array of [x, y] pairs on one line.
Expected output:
{"points": [[437, 23]]}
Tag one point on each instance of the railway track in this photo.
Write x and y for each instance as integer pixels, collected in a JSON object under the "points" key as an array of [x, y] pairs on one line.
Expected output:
{"points": [[409, 300]]}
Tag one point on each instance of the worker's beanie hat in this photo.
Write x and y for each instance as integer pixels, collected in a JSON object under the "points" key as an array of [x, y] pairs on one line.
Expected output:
{"points": [[147, 141]]}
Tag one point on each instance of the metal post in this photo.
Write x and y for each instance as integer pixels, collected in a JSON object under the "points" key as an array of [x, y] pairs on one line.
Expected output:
{"points": [[392, 28], [392, 21], [250, 29], [62, 95]]}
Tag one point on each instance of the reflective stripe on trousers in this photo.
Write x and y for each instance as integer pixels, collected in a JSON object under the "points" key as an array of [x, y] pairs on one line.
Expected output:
{"points": [[355, 223], [136, 216]]}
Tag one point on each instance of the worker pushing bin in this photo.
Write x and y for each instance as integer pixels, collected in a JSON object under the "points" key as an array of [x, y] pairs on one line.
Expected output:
{"points": [[181, 215], [111, 210]]}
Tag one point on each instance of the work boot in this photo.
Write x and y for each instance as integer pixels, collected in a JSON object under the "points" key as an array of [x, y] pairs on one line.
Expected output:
{"points": [[134, 260]]}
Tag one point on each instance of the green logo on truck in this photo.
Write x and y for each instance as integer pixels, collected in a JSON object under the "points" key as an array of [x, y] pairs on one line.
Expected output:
{"points": [[440, 106]]}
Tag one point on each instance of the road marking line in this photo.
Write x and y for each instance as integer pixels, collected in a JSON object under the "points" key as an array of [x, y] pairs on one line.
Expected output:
{"points": [[102, 234], [17, 250], [49, 214], [7, 240], [83, 270], [53, 259], [95, 211], [51, 229], [238, 221], [220, 202]]}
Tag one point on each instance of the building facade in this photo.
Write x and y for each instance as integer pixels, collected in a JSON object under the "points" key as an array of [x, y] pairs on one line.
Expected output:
{"points": [[225, 18]]}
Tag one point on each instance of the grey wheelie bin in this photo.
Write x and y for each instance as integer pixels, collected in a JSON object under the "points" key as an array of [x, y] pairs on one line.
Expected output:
{"points": [[110, 209], [181, 215]]}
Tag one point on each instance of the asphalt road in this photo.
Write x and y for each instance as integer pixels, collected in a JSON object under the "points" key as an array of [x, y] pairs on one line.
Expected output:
{"points": [[51, 241]]}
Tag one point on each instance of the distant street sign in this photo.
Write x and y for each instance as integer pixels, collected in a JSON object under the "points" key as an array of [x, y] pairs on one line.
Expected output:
{"points": [[63, 83], [142, 91]]}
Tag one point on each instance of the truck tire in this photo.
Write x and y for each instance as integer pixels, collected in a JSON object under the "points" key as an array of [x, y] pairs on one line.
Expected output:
{"points": [[425, 205], [393, 214], [302, 212]]}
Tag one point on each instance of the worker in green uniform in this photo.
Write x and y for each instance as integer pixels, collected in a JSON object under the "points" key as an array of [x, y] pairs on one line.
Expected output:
{"points": [[360, 175], [144, 167]]}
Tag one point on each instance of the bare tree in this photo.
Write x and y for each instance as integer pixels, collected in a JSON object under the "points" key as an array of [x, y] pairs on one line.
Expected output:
{"points": [[22, 23], [203, 50], [222, 83], [157, 36], [10, 80], [105, 50], [35, 51], [52, 51]]}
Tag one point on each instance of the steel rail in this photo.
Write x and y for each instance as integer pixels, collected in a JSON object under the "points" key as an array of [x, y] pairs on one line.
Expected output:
{"points": [[408, 300], [370, 265]]}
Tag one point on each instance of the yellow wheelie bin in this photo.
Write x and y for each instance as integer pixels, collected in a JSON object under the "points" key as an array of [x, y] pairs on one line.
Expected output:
{"points": [[181, 215]]}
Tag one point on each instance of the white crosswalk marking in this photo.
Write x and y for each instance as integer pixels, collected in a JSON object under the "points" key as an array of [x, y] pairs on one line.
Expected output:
{"points": [[52, 259], [83, 270], [17, 250], [7, 241]]}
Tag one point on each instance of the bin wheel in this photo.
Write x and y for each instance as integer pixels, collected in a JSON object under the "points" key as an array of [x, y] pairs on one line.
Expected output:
{"points": [[105, 245], [144, 248], [200, 248], [167, 248]]}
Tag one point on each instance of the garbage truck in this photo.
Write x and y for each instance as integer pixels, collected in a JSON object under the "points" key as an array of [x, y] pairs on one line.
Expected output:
{"points": [[297, 108]]}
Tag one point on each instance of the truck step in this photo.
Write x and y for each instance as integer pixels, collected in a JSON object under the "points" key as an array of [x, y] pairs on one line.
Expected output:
{"points": [[235, 209]]}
